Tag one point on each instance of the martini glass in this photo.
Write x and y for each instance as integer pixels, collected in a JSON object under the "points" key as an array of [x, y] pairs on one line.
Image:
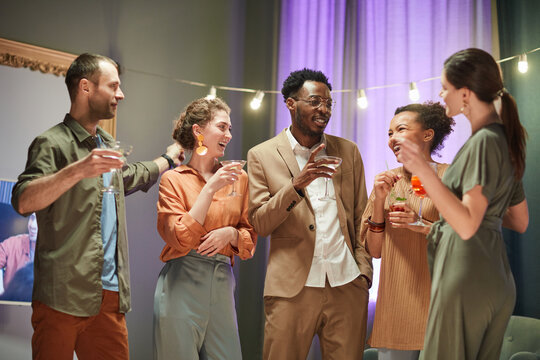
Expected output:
{"points": [[124, 150], [334, 165], [418, 189], [239, 165]]}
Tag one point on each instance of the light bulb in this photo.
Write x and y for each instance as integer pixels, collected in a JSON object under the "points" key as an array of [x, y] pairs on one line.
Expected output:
{"points": [[414, 94], [212, 94], [257, 100], [361, 99], [523, 65]]}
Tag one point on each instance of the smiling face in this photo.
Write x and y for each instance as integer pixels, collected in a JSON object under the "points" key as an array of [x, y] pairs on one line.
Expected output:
{"points": [[32, 227], [309, 122], [105, 92], [452, 97], [217, 134], [405, 125]]}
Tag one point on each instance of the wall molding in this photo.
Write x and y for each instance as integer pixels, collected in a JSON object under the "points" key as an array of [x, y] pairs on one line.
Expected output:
{"points": [[47, 61]]}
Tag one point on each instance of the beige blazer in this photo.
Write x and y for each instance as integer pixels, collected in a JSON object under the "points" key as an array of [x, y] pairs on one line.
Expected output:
{"points": [[276, 209]]}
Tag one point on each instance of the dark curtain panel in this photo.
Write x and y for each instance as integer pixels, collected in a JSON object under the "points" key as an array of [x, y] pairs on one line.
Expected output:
{"points": [[519, 32]]}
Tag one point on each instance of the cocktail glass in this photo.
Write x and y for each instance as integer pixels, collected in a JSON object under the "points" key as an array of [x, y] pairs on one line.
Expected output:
{"points": [[239, 165], [418, 189], [123, 150], [333, 165]]}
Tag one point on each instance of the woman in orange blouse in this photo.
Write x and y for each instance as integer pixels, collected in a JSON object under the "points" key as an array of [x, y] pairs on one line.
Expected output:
{"points": [[404, 281], [203, 228]]}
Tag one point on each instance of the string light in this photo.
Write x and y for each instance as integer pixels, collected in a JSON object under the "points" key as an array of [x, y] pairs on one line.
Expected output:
{"points": [[414, 94], [212, 94], [361, 99], [257, 100], [523, 65]]}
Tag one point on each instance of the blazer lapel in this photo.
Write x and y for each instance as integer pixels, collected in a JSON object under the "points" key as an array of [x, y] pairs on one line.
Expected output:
{"points": [[285, 151]]}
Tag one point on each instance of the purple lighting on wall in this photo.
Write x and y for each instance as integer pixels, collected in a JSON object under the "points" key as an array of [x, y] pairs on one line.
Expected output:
{"points": [[372, 43], [363, 44]]}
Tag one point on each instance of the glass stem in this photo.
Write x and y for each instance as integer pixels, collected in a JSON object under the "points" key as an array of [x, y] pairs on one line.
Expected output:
{"points": [[420, 210], [326, 187]]}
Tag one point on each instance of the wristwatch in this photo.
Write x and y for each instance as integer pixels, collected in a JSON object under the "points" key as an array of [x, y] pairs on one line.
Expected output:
{"points": [[169, 160]]}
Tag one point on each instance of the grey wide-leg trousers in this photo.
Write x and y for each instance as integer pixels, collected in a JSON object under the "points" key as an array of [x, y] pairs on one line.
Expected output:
{"points": [[194, 312]]}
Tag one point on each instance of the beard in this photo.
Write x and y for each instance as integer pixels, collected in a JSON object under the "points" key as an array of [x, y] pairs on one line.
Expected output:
{"points": [[101, 110], [304, 128]]}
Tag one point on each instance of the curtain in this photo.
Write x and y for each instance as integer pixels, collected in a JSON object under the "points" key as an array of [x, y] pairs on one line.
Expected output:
{"points": [[380, 46], [519, 32], [371, 43]]}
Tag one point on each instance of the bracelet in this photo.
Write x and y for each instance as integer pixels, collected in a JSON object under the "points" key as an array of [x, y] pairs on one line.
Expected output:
{"points": [[169, 160], [375, 224]]}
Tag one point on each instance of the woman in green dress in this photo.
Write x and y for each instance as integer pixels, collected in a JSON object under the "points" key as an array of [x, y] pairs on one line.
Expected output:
{"points": [[473, 291]]}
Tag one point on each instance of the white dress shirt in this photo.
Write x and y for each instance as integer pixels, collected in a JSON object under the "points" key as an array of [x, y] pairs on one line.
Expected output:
{"points": [[332, 258]]}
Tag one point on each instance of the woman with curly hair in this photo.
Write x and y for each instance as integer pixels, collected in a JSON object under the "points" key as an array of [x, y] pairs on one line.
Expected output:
{"points": [[203, 228], [403, 297]]}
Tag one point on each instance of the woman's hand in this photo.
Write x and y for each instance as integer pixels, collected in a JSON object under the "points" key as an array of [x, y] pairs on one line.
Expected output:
{"points": [[383, 183], [402, 219], [411, 157], [225, 175], [214, 241]]}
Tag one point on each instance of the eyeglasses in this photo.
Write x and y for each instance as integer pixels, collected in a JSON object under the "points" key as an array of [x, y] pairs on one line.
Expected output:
{"points": [[317, 101]]}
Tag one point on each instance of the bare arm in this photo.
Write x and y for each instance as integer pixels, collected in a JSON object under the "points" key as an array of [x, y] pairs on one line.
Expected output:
{"points": [[42, 192], [517, 217], [464, 216], [382, 185]]}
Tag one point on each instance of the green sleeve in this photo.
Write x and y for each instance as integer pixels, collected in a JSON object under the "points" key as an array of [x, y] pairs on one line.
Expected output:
{"points": [[42, 160]]}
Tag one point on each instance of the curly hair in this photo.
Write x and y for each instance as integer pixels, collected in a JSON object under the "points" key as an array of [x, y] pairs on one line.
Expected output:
{"points": [[432, 115], [296, 80], [201, 112]]}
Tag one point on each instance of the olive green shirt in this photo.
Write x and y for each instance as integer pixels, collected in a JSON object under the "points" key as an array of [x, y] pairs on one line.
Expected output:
{"points": [[69, 249]]}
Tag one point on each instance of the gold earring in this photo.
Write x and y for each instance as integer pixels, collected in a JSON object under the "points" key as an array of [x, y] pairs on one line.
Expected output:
{"points": [[201, 149]]}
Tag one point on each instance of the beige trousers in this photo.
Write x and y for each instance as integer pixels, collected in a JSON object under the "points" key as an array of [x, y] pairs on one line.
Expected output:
{"points": [[338, 315]]}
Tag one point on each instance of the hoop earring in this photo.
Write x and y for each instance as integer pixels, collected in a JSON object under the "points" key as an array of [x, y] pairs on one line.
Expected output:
{"points": [[201, 149]]}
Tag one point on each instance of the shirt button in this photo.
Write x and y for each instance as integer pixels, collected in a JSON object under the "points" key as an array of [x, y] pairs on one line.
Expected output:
{"points": [[311, 227]]}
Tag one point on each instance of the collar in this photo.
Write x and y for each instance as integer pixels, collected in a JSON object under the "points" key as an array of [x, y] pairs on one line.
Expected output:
{"points": [[299, 149], [186, 169], [84, 136]]}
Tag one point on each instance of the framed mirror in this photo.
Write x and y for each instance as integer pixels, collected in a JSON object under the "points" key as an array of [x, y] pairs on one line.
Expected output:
{"points": [[46, 61]]}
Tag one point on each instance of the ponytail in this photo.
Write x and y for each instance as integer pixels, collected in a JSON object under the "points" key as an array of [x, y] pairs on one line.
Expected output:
{"points": [[516, 134]]}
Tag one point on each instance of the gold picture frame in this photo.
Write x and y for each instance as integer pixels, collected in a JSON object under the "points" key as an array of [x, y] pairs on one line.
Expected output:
{"points": [[46, 61]]}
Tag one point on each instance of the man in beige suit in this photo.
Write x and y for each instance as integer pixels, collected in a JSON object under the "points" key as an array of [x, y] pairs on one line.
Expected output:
{"points": [[318, 271]]}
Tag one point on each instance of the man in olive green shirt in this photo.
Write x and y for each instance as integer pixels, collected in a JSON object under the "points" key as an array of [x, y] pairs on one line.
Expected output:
{"points": [[81, 286]]}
